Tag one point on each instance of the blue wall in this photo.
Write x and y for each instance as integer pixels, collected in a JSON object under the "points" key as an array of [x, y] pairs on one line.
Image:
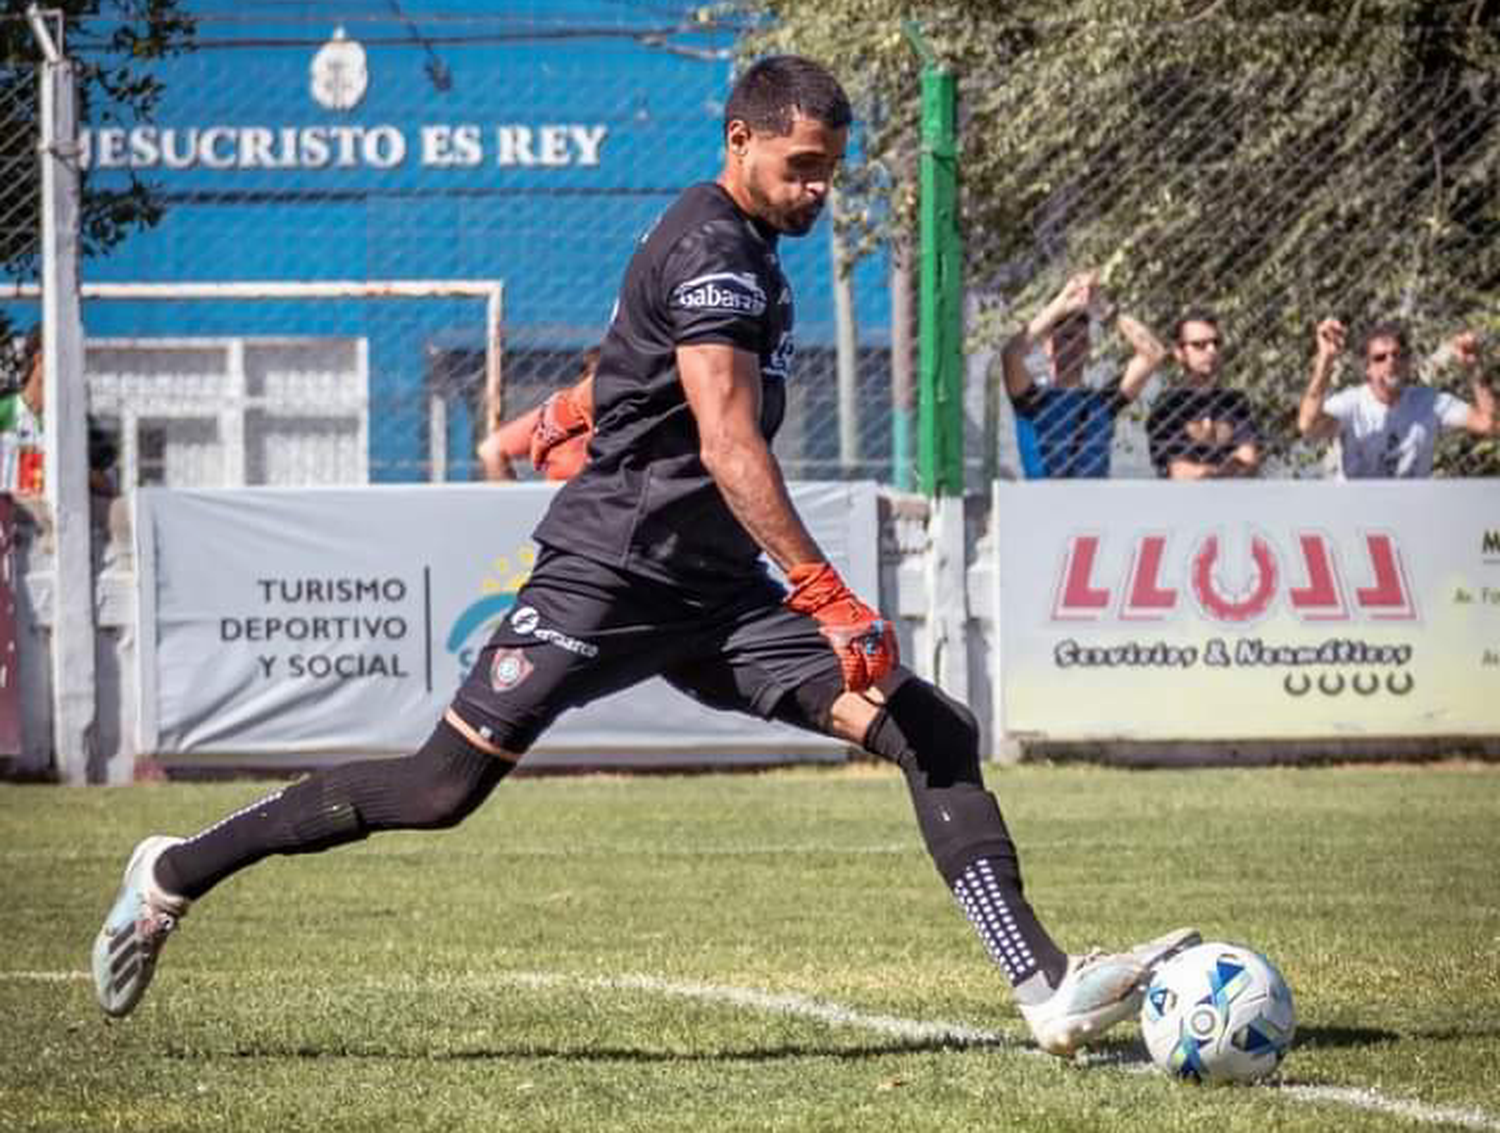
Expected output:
{"points": [[559, 234]]}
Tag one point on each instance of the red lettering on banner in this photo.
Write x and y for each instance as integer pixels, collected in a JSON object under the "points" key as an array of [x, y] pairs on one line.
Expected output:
{"points": [[1322, 599], [1389, 598], [1234, 608], [1077, 597], [1147, 593], [1147, 598]]}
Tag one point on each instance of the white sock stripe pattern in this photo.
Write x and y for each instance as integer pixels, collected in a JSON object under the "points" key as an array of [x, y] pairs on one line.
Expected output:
{"points": [[978, 892], [246, 809]]}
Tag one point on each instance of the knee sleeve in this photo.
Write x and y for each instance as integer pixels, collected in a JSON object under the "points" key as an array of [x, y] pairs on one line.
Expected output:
{"points": [[935, 741], [926, 732], [435, 788]]}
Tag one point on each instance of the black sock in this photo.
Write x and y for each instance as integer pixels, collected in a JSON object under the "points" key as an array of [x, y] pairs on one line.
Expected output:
{"points": [[433, 789], [992, 899]]}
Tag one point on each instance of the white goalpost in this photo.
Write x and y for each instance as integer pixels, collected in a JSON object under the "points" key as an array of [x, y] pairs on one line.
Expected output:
{"points": [[322, 382]]}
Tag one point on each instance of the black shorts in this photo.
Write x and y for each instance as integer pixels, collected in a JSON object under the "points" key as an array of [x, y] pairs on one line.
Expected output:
{"points": [[581, 630]]}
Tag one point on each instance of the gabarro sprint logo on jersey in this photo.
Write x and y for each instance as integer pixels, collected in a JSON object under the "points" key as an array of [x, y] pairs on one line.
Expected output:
{"points": [[474, 624], [737, 293]]}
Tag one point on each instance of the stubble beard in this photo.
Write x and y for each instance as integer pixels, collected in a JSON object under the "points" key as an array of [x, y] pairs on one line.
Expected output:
{"points": [[788, 220]]}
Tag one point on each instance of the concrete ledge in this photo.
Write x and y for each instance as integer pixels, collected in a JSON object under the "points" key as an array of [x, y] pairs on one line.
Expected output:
{"points": [[1264, 753]]}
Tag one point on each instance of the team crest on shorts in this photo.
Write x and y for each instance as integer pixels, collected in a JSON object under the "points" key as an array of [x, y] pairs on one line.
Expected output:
{"points": [[508, 669]]}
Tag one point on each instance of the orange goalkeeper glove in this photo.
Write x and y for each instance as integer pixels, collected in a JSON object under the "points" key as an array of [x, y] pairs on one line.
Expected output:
{"points": [[561, 417], [864, 641]]}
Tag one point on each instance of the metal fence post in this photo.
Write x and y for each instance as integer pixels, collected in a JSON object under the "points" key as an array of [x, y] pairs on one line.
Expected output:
{"points": [[903, 383], [940, 409], [940, 455], [66, 438], [846, 341]]}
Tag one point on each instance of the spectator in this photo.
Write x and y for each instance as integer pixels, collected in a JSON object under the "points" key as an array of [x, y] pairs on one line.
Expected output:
{"points": [[21, 437], [1387, 426], [1065, 429], [22, 448], [555, 435], [104, 454], [1200, 430]]}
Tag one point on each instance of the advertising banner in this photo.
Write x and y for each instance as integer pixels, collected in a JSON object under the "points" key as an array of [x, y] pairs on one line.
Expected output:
{"points": [[292, 625], [1247, 610]]}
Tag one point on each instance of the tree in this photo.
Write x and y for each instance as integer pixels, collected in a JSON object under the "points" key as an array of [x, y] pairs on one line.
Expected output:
{"points": [[1273, 161], [113, 43]]}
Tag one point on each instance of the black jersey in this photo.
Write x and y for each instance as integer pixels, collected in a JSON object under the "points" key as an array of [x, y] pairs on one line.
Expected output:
{"points": [[705, 273]]}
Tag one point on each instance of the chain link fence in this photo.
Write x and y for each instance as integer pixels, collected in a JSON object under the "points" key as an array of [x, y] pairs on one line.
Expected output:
{"points": [[1265, 197], [21, 442], [20, 181], [525, 150], [528, 149]]}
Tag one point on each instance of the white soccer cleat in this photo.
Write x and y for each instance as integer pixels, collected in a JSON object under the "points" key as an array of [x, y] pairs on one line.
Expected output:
{"points": [[1098, 991], [137, 926], [1155, 953]]}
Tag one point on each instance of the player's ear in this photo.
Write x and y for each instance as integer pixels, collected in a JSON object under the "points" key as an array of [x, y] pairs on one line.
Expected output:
{"points": [[737, 137]]}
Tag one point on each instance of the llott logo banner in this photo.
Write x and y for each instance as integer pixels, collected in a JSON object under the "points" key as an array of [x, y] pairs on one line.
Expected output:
{"points": [[1316, 579]]}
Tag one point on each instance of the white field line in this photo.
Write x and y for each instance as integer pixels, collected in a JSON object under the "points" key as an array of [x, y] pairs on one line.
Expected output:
{"points": [[612, 850], [892, 1026], [1377, 1102], [911, 1030]]}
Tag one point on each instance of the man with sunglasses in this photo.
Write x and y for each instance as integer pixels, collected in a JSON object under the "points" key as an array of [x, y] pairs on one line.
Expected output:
{"points": [[1199, 430], [1388, 426], [1064, 429]]}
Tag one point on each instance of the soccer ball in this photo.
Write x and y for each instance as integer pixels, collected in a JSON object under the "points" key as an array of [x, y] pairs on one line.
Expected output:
{"points": [[1218, 1013]]}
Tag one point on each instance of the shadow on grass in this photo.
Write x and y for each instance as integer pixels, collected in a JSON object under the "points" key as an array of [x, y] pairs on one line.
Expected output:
{"points": [[1126, 1052], [606, 1054], [1336, 1038], [1116, 1052]]}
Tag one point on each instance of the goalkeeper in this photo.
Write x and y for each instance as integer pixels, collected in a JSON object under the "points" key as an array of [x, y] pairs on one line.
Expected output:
{"points": [[650, 564]]}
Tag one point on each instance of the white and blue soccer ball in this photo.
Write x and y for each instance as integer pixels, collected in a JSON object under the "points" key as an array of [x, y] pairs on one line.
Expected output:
{"points": [[1218, 1013]]}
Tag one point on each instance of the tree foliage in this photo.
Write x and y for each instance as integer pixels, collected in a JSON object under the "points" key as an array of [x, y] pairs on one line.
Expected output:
{"points": [[112, 43], [1275, 162]]}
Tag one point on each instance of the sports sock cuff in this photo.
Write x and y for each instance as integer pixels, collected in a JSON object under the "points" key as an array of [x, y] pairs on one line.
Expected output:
{"points": [[1005, 922]]}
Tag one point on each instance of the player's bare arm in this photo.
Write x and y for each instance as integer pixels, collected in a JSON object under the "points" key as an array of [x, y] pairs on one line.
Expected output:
{"points": [[1312, 422], [722, 385]]}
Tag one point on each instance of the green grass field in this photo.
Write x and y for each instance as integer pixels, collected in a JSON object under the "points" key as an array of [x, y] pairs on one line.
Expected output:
{"points": [[755, 952]]}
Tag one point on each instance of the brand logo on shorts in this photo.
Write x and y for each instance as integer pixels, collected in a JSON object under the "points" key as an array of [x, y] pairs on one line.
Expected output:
{"points": [[734, 293], [527, 621], [509, 668], [779, 365]]}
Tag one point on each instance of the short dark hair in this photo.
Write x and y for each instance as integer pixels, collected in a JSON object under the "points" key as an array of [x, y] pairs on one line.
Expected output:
{"points": [[770, 95], [1388, 328], [1194, 315]]}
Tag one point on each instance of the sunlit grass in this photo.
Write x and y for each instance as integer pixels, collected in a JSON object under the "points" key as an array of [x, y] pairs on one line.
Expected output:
{"points": [[534, 968]]}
